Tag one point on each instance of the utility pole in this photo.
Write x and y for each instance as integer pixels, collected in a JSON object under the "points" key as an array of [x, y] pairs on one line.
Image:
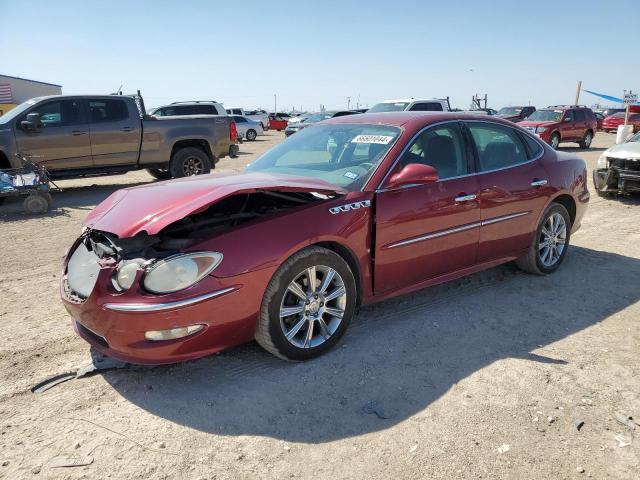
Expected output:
{"points": [[348, 103], [578, 92]]}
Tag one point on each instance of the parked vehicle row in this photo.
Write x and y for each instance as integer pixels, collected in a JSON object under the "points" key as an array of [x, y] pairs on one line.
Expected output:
{"points": [[96, 135], [315, 118]]}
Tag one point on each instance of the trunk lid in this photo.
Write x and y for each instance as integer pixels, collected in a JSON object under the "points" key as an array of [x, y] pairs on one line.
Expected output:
{"points": [[150, 208]]}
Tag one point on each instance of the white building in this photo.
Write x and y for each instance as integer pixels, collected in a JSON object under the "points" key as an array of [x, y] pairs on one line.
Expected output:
{"points": [[15, 90]]}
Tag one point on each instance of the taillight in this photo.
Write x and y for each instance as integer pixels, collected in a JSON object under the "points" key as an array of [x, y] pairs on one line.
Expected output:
{"points": [[233, 131]]}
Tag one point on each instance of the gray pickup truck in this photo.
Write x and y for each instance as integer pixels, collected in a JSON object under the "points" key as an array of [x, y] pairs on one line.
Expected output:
{"points": [[87, 135]]}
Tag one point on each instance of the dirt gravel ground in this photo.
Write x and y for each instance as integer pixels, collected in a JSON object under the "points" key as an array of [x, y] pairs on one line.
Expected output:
{"points": [[485, 377]]}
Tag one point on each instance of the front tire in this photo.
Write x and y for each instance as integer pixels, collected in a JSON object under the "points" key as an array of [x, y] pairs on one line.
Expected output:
{"points": [[188, 162], [307, 305], [159, 173], [554, 141], [550, 242], [585, 143]]}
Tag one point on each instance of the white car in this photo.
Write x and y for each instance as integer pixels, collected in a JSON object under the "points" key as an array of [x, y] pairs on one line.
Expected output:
{"points": [[258, 115], [618, 168], [411, 104], [247, 127]]}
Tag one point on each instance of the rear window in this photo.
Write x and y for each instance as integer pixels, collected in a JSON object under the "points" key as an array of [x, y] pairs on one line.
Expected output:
{"points": [[107, 110], [535, 149], [426, 107]]}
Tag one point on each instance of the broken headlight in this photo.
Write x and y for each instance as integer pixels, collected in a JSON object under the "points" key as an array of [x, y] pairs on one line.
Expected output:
{"points": [[126, 273], [180, 271], [602, 162]]}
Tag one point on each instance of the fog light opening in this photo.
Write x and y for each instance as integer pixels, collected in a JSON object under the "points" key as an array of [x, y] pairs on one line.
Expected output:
{"points": [[172, 333]]}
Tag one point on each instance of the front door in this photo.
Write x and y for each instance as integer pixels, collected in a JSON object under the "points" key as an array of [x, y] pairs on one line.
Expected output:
{"points": [[115, 131], [513, 189], [63, 141], [424, 231]]}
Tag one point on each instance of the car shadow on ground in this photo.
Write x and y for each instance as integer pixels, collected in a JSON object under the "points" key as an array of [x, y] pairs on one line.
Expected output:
{"points": [[78, 197], [562, 148], [396, 358]]}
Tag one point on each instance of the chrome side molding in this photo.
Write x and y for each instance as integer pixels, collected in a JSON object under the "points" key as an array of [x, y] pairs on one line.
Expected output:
{"points": [[157, 307]]}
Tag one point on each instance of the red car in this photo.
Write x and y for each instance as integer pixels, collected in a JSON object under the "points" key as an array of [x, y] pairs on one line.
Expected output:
{"points": [[611, 123], [347, 212], [278, 121], [563, 123]]}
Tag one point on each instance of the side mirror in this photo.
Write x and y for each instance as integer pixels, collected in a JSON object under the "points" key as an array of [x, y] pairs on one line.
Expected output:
{"points": [[32, 123], [413, 174]]}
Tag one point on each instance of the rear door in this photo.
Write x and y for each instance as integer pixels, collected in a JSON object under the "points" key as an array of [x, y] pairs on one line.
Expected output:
{"points": [[115, 131], [424, 231], [513, 188], [63, 141]]}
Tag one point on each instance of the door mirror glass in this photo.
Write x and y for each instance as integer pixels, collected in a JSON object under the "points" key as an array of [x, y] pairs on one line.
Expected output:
{"points": [[413, 174]]}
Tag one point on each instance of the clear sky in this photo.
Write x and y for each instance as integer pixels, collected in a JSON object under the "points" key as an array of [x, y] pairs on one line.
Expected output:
{"points": [[321, 52]]}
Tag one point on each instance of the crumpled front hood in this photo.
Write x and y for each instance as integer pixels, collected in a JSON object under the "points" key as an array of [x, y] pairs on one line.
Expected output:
{"points": [[629, 150], [152, 207]]}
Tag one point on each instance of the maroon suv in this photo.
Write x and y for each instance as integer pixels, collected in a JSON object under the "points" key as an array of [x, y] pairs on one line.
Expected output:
{"points": [[563, 123]]}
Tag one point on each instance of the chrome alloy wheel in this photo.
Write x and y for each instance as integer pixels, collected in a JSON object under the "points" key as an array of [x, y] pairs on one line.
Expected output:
{"points": [[313, 306], [553, 237], [192, 166]]}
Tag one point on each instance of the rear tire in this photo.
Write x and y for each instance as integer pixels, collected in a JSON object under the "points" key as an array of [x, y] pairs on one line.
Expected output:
{"points": [[554, 141], [159, 173], [189, 161], [542, 260], [585, 143], [37, 203], [319, 314], [251, 135]]}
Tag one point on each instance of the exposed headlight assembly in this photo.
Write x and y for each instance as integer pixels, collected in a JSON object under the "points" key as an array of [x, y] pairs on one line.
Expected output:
{"points": [[126, 273], [180, 271], [602, 162]]}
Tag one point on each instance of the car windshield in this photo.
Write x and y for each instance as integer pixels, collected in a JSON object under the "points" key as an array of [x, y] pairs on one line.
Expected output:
{"points": [[17, 111], [545, 116], [635, 138], [317, 117], [344, 155], [388, 107], [509, 111]]}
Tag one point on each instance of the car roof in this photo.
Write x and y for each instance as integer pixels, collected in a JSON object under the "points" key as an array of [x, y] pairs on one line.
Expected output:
{"points": [[412, 100], [400, 119]]}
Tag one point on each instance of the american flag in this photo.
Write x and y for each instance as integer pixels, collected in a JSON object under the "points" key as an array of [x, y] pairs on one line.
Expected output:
{"points": [[5, 93]]}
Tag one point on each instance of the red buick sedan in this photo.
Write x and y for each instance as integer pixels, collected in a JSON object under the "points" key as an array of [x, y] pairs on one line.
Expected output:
{"points": [[347, 212]]}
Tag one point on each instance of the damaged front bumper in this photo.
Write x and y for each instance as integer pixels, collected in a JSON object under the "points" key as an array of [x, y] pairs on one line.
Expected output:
{"points": [[621, 176], [115, 323]]}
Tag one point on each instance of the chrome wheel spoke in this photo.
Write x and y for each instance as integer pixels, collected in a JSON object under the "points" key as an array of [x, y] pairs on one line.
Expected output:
{"points": [[288, 311], [338, 292], [334, 312], [309, 335], [324, 329], [295, 329], [326, 281], [311, 279], [297, 290]]}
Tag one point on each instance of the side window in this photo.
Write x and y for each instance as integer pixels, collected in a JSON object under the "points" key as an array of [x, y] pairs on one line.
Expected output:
{"points": [[426, 107], [568, 116], [58, 113], [240, 119], [441, 147], [206, 110], [107, 110], [535, 149], [237, 112], [498, 146], [580, 117]]}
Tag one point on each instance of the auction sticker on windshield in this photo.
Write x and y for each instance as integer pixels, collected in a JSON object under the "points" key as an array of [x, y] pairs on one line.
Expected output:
{"points": [[381, 139]]}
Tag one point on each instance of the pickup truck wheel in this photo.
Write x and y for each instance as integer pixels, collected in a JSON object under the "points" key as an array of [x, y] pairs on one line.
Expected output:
{"points": [[189, 161], [159, 173], [251, 135], [585, 143]]}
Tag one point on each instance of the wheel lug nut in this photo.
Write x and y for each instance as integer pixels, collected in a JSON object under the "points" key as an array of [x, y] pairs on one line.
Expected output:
{"points": [[315, 296], [307, 302]]}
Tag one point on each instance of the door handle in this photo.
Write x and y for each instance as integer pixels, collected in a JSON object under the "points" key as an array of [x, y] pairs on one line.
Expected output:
{"points": [[465, 198], [75, 133], [126, 129], [539, 183]]}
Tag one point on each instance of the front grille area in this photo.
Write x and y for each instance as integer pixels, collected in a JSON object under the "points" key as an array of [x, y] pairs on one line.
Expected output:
{"points": [[94, 337], [624, 164]]}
